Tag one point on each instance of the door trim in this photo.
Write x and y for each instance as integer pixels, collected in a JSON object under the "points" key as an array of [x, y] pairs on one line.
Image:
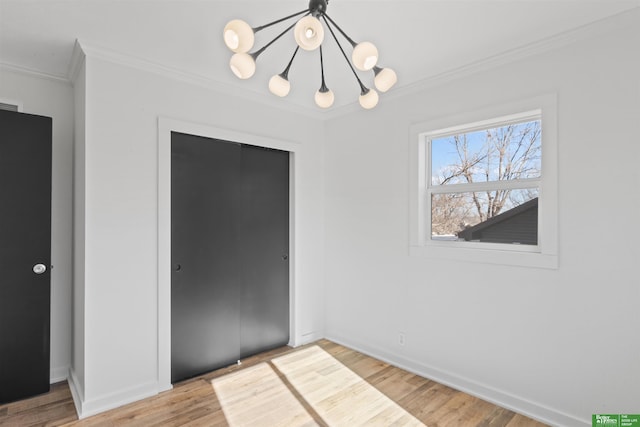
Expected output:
{"points": [[165, 127]]}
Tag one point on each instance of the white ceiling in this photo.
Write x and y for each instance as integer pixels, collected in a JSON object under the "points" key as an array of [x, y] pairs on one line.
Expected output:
{"points": [[419, 39]]}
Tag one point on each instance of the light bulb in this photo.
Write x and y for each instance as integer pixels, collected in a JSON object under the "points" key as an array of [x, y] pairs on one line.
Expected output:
{"points": [[243, 65], [365, 56], [279, 86], [369, 100], [324, 99], [238, 36], [385, 79], [309, 33]]}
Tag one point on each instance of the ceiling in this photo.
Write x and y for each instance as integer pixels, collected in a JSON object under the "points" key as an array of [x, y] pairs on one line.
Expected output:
{"points": [[418, 39]]}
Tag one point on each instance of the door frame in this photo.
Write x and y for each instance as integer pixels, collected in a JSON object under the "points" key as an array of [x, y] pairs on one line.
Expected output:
{"points": [[165, 127]]}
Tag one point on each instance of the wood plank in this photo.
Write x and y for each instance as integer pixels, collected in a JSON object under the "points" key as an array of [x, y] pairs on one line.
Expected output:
{"points": [[322, 383], [522, 421]]}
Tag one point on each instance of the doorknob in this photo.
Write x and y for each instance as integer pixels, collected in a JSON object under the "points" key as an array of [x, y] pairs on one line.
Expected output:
{"points": [[39, 268]]}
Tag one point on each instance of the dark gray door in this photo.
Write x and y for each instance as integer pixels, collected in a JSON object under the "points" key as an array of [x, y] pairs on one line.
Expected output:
{"points": [[25, 248], [264, 244], [230, 235]]}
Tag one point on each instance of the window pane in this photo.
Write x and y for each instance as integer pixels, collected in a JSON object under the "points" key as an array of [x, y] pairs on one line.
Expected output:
{"points": [[498, 154], [500, 216]]}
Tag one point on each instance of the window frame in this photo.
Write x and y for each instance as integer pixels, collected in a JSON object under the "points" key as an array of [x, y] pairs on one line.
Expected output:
{"points": [[542, 255]]}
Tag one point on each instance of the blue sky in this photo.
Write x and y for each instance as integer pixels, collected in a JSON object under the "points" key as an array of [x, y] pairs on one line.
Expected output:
{"points": [[443, 151]]}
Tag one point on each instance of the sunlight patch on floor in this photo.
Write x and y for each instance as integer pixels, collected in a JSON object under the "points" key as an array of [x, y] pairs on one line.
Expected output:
{"points": [[307, 385], [337, 394], [255, 396]]}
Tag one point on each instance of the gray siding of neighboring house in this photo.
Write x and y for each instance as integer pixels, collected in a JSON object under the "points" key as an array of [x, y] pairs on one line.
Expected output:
{"points": [[508, 227]]}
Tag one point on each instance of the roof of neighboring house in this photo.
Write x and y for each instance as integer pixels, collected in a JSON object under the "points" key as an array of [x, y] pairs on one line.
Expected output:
{"points": [[471, 232]]}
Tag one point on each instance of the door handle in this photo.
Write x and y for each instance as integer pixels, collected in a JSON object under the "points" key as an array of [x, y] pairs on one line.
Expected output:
{"points": [[39, 268]]}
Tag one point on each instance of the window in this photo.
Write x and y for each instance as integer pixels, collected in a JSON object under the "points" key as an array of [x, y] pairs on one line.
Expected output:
{"points": [[485, 190], [482, 184]]}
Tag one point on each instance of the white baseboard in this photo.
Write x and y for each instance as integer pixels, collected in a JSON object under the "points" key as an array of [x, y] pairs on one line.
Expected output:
{"points": [[506, 400], [58, 374], [87, 408], [311, 337], [77, 392], [305, 338]]}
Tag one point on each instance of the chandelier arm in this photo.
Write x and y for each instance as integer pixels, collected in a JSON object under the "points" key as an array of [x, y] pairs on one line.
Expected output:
{"points": [[349, 39], [262, 27], [285, 73], [323, 86], [364, 90], [263, 48]]}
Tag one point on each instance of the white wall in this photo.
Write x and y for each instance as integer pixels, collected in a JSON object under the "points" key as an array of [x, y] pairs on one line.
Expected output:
{"points": [[559, 344], [52, 98], [123, 103]]}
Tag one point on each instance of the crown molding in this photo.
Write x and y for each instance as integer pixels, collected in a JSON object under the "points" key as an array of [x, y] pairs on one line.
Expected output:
{"points": [[18, 69]]}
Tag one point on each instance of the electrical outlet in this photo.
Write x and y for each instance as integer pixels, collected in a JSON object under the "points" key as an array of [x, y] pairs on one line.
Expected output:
{"points": [[401, 338]]}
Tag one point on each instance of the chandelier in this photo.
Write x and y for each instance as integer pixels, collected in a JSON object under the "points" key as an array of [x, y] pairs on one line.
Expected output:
{"points": [[308, 33]]}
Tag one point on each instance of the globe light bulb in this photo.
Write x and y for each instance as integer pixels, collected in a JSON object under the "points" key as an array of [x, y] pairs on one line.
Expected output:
{"points": [[369, 99], [324, 99], [238, 36], [243, 65], [279, 86], [309, 33], [385, 79], [365, 56]]}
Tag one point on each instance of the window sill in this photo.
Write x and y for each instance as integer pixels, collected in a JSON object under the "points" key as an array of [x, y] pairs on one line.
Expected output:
{"points": [[510, 257]]}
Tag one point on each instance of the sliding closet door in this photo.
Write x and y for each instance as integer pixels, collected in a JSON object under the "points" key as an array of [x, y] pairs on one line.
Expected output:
{"points": [[264, 233], [205, 284], [230, 252]]}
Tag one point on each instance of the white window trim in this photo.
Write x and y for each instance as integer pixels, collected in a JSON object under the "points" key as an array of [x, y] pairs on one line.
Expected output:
{"points": [[543, 255]]}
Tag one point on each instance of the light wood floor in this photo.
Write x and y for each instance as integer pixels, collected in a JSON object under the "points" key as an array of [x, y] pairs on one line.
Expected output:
{"points": [[321, 384]]}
